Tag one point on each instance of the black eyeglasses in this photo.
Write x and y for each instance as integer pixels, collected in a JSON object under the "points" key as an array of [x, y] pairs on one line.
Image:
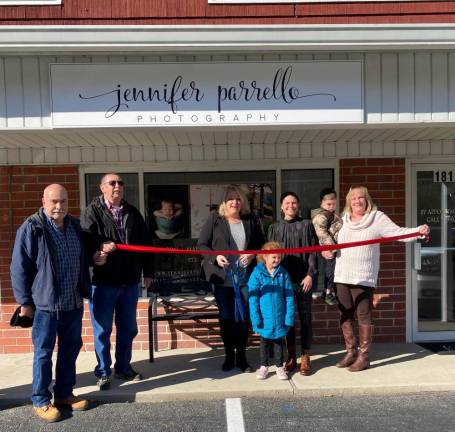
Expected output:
{"points": [[113, 182]]}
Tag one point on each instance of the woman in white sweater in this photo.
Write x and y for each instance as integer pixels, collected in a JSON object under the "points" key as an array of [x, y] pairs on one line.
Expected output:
{"points": [[356, 271]]}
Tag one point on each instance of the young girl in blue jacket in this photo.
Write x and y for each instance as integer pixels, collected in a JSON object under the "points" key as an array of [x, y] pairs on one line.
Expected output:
{"points": [[271, 301]]}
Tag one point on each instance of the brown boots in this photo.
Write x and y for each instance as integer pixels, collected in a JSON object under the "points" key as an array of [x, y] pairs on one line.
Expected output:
{"points": [[291, 362], [365, 337], [356, 360], [305, 364], [347, 327]]}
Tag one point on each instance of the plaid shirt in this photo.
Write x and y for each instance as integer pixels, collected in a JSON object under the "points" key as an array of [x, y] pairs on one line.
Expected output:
{"points": [[68, 254], [117, 215]]}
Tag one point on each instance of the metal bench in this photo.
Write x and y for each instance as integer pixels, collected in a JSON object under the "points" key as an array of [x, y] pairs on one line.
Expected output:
{"points": [[182, 298]]}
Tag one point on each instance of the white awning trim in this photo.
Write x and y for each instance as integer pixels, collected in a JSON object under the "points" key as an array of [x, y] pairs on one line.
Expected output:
{"points": [[143, 38]]}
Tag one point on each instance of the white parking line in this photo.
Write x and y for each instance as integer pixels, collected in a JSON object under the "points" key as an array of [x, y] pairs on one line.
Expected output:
{"points": [[234, 415]]}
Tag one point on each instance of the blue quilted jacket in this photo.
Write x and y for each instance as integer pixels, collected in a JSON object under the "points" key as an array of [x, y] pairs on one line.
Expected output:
{"points": [[271, 300]]}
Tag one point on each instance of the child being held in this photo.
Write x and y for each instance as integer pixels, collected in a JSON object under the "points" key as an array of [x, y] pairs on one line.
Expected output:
{"points": [[327, 224], [168, 220], [271, 301]]}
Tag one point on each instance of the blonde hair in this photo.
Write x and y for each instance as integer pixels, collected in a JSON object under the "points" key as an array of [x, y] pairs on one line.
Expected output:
{"points": [[268, 246], [364, 191], [244, 205]]}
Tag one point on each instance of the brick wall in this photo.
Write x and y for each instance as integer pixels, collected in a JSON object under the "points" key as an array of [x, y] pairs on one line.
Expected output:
{"points": [[20, 195], [385, 179], [21, 189]]}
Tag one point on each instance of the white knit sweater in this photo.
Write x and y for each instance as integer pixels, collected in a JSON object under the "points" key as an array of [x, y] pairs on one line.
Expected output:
{"points": [[360, 265]]}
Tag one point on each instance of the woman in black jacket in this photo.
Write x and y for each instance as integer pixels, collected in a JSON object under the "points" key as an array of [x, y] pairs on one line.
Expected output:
{"points": [[293, 231], [232, 227]]}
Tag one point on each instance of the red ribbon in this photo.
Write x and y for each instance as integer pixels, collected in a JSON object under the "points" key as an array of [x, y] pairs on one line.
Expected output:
{"points": [[308, 249]]}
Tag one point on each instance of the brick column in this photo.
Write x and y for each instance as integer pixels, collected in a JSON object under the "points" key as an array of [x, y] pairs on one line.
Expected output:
{"points": [[385, 180]]}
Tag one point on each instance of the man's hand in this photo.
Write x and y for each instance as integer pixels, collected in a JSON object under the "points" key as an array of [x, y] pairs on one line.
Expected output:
{"points": [[306, 283], [147, 282], [108, 247], [27, 311], [99, 258]]}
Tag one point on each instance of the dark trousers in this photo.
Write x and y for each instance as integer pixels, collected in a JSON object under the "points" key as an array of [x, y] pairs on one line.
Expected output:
{"points": [[355, 299], [329, 274], [304, 304], [267, 345], [234, 333], [47, 326]]}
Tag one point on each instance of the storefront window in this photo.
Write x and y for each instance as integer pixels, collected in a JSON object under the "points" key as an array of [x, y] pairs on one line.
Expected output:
{"points": [[307, 183], [177, 206]]}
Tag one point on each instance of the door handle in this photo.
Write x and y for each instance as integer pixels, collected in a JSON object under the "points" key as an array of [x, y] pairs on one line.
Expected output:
{"points": [[417, 256]]}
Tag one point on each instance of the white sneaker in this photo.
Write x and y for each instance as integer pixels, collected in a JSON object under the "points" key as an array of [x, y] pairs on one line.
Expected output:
{"points": [[316, 295], [281, 373], [262, 372]]}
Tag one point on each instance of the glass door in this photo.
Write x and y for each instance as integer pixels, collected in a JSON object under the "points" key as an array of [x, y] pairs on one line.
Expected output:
{"points": [[433, 266]]}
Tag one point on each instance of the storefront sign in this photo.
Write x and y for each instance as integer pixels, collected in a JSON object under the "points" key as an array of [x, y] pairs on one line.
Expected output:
{"points": [[200, 94]]}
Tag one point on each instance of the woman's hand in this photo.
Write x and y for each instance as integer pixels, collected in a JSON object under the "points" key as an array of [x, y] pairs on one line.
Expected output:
{"points": [[245, 259], [222, 261], [424, 230], [306, 283], [327, 254]]}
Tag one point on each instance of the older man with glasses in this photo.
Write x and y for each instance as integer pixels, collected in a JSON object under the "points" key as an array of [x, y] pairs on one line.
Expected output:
{"points": [[115, 288]]}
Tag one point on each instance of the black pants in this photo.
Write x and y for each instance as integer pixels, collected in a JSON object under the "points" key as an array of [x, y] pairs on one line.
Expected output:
{"points": [[329, 274], [354, 299], [278, 351], [234, 333], [304, 304]]}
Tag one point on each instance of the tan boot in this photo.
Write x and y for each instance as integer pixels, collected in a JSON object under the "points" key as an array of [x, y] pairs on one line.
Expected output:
{"points": [[305, 364], [363, 360], [72, 402], [350, 341], [48, 413]]}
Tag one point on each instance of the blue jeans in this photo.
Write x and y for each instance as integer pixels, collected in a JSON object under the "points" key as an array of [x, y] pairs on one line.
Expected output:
{"points": [[107, 299], [46, 327]]}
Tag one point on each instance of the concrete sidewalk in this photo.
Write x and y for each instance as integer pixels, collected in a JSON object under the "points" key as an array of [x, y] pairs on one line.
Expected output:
{"points": [[195, 374]]}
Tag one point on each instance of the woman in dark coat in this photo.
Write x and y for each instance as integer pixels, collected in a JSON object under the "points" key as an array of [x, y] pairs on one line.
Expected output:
{"points": [[232, 227], [293, 231]]}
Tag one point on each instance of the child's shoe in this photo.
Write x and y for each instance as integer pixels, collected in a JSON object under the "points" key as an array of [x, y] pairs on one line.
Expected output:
{"points": [[281, 373], [331, 299], [316, 295], [262, 372]]}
